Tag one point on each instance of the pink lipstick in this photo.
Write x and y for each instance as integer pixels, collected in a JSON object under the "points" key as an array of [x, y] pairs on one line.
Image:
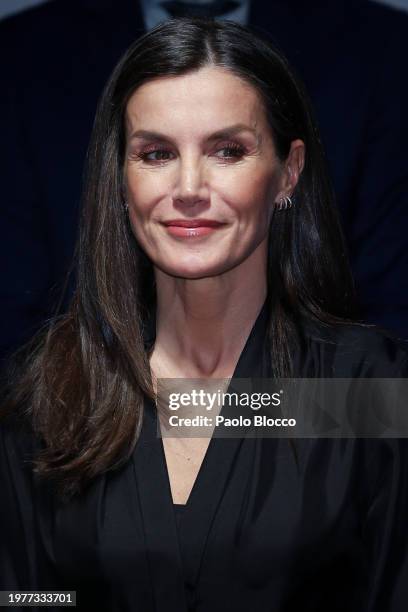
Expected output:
{"points": [[191, 228]]}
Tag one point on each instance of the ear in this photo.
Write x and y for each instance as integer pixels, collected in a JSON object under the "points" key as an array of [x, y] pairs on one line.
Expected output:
{"points": [[292, 168]]}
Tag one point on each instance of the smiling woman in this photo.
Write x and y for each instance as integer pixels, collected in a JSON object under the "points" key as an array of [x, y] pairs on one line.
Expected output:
{"points": [[209, 248], [218, 178]]}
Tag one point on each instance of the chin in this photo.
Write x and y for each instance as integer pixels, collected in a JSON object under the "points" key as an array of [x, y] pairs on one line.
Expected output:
{"points": [[192, 271]]}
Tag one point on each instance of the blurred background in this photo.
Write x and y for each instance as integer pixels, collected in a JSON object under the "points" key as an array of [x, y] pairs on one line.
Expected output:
{"points": [[54, 61], [9, 7]]}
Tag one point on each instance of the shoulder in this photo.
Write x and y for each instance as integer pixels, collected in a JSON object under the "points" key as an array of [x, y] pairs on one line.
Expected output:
{"points": [[353, 350]]}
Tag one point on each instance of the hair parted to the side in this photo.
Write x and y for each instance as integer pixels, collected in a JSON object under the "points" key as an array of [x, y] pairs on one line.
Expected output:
{"points": [[83, 382]]}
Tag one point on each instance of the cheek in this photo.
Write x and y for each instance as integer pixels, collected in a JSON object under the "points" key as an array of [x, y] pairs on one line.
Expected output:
{"points": [[251, 195], [248, 192], [143, 191]]}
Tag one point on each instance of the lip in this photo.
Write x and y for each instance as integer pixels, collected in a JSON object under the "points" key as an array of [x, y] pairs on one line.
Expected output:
{"points": [[192, 223], [192, 228]]}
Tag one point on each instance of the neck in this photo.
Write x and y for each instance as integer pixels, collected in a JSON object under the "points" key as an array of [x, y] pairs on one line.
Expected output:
{"points": [[202, 324]]}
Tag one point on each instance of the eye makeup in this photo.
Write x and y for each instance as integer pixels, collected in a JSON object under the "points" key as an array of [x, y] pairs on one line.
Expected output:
{"points": [[235, 152]]}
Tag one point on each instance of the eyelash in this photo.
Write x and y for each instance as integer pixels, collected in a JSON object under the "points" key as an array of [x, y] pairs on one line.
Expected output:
{"points": [[231, 146]]}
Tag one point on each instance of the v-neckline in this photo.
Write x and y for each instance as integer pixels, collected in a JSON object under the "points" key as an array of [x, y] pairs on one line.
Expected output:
{"points": [[202, 467], [164, 541], [244, 368]]}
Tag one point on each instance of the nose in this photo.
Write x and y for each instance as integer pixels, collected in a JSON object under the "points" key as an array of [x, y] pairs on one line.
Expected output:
{"points": [[191, 187]]}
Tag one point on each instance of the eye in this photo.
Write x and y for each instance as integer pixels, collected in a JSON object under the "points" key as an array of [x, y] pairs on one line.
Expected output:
{"points": [[162, 153], [234, 151], [231, 150]]}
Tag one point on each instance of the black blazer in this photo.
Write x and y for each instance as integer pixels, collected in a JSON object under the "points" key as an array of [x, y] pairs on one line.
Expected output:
{"points": [[259, 532], [54, 61]]}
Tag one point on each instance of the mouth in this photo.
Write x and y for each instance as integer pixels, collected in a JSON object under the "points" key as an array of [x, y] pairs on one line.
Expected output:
{"points": [[192, 228]]}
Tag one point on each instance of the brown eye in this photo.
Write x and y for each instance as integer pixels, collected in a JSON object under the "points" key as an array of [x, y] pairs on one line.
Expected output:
{"points": [[162, 153], [233, 151]]}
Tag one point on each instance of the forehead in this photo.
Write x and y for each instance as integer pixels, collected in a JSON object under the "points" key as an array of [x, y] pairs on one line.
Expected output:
{"points": [[204, 99]]}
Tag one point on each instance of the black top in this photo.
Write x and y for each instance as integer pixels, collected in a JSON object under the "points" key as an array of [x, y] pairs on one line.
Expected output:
{"points": [[258, 533], [179, 510]]}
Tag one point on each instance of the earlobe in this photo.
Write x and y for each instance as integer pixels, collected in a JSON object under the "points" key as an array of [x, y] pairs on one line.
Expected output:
{"points": [[291, 172]]}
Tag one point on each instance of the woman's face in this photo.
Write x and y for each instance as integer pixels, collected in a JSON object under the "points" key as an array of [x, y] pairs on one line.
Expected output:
{"points": [[201, 172]]}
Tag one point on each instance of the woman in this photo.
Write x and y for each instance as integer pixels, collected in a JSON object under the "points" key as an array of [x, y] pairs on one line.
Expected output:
{"points": [[209, 248]]}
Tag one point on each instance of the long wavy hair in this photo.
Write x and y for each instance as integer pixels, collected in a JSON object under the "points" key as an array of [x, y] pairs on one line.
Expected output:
{"points": [[84, 376]]}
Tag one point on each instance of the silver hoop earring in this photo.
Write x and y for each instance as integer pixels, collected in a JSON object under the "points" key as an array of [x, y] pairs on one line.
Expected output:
{"points": [[284, 203], [125, 207], [280, 204]]}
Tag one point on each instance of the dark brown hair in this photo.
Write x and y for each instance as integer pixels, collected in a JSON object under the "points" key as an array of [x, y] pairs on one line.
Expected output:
{"points": [[85, 376]]}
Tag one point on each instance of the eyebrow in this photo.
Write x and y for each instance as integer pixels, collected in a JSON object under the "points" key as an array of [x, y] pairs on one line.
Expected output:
{"points": [[224, 133]]}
